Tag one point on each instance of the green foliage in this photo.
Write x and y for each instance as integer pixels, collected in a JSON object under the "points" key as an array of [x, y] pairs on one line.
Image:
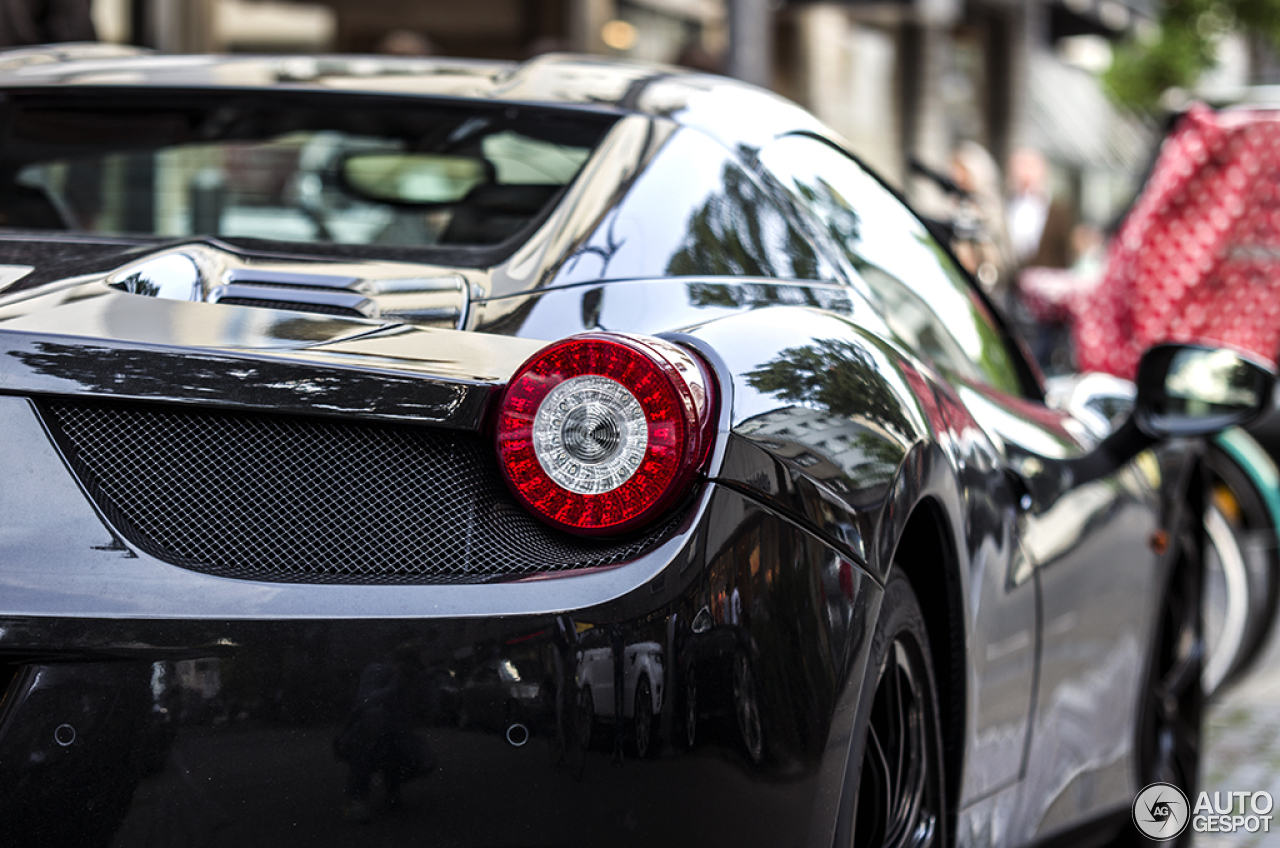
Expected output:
{"points": [[1139, 75], [1189, 31]]}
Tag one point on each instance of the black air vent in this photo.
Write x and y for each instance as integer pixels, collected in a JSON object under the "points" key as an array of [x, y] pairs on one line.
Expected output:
{"points": [[292, 306], [289, 499]]}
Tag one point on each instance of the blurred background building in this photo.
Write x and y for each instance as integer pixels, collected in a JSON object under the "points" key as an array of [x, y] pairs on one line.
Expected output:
{"points": [[896, 77]]}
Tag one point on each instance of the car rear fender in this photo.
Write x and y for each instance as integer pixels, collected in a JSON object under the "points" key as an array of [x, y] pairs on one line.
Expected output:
{"points": [[822, 417]]}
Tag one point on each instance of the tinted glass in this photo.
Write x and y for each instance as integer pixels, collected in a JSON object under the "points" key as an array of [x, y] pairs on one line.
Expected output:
{"points": [[926, 299], [219, 166]]}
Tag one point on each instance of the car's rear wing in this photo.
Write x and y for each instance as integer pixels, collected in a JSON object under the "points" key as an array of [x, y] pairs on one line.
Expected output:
{"points": [[101, 342]]}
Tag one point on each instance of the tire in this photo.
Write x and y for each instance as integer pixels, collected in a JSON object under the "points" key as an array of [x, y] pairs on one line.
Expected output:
{"points": [[643, 719], [1245, 557], [900, 799]]}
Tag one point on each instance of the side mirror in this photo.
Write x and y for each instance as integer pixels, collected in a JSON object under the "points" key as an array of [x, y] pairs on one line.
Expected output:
{"points": [[1193, 390], [1183, 390]]}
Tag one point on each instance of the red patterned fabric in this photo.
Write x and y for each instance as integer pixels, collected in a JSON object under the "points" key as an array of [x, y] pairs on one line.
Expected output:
{"points": [[1198, 257]]}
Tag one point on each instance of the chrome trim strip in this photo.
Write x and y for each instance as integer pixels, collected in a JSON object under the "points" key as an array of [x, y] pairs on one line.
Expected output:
{"points": [[288, 278]]}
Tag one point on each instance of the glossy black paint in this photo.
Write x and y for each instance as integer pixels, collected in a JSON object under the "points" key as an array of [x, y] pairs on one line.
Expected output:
{"points": [[844, 451], [240, 717]]}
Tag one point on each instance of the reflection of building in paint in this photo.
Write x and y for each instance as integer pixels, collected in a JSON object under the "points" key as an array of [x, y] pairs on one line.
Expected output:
{"points": [[831, 448]]}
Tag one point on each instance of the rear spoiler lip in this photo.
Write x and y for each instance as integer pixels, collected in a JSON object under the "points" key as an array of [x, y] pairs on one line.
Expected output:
{"points": [[436, 377]]}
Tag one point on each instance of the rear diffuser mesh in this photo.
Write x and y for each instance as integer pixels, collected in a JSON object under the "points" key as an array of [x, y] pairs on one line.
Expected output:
{"points": [[291, 499]]}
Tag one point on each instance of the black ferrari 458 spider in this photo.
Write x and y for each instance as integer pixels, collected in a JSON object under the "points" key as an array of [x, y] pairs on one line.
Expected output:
{"points": [[428, 452]]}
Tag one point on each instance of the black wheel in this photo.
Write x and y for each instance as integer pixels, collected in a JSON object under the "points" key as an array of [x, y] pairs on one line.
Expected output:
{"points": [[1173, 704], [747, 707], [901, 794], [643, 723]]}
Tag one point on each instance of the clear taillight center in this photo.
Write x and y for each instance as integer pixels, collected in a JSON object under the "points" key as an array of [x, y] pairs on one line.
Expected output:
{"points": [[590, 434]]}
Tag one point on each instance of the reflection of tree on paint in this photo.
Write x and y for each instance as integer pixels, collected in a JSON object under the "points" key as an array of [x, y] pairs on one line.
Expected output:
{"points": [[881, 456], [834, 213], [138, 284], [741, 232], [604, 252], [924, 296], [836, 375], [927, 331], [759, 295]]}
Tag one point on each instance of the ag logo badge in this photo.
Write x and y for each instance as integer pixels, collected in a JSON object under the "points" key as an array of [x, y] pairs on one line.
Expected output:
{"points": [[1160, 811]]}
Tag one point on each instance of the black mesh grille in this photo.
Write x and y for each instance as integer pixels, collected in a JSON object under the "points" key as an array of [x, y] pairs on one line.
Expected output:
{"points": [[292, 306], [287, 499]]}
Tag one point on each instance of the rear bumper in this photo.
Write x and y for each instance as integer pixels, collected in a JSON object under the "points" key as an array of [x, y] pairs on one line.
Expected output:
{"points": [[172, 706]]}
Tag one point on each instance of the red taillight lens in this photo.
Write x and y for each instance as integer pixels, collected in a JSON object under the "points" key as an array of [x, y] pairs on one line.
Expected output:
{"points": [[601, 433]]}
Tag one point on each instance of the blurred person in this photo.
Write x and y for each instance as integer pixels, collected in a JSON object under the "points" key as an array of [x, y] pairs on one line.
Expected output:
{"points": [[1055, 296], [1039, 224], [405, 42], [1040, 231], [982, 241], [27, 22], [379, 736]]}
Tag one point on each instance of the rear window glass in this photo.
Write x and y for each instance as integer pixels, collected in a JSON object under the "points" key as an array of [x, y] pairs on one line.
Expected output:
{"points": [[396, 173]]}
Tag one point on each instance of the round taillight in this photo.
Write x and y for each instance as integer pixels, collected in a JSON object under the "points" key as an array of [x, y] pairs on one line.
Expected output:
{"points": [[602, 433]]}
